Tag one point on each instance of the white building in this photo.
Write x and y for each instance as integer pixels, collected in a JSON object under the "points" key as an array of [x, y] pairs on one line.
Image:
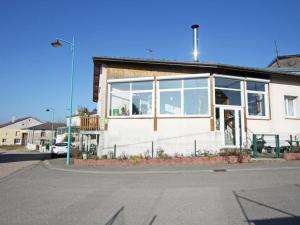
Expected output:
{"points": [[173, 104]]}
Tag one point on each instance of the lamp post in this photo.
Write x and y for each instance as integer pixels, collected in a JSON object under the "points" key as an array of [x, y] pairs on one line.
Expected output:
{"points": [[58, 44], [52, 136]]}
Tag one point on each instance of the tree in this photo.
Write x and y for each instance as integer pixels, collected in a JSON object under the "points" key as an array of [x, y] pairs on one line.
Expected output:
{"points": [[82, 110]]}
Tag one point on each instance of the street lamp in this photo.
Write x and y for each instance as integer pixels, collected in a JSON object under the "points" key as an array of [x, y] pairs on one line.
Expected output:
{"points": [[52, 136], [58, 44]]}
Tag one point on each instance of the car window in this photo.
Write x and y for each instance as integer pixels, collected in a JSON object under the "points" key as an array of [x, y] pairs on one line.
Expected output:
{"points": [[61, 144]]}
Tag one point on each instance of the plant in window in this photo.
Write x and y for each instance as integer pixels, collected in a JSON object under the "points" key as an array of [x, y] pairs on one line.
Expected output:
{"points": [[124, 111]]}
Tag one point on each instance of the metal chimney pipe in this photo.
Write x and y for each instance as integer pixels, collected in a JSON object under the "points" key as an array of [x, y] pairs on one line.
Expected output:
{"points": [[195, 50]]}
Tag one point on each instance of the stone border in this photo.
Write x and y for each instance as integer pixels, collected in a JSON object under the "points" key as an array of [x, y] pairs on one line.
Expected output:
{"points": [[164, 162], [291, 156]]}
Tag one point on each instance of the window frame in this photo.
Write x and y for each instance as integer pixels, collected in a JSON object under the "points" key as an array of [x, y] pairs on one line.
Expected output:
{"points": [[181, 89], [266, 98], [241, 89], [130, 81], [294, 99]]}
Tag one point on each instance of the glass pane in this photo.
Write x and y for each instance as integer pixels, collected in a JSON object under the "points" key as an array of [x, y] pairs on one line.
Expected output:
{"points": [[119, 104], [227, 83], [290, 107], [143, 85], [169, 84], [229, 127], [196, 102], [227, 97], [256, 104], [170, 102], [255, 86], [217, 118], [194, 83], [141, 103], [120, 87]]}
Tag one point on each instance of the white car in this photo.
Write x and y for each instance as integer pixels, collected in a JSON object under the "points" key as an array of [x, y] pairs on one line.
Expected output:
{"points": [[60, 148]]}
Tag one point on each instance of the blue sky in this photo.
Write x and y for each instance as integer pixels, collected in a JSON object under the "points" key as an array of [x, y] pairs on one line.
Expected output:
{"points": [[33, 75]]}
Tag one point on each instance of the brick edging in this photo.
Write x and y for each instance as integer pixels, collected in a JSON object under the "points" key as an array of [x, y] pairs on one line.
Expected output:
{"points": [[291, 156], [156, 162]]}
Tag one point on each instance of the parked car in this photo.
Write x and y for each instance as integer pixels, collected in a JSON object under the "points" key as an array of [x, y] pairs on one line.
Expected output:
{"points": [[59, 149]]}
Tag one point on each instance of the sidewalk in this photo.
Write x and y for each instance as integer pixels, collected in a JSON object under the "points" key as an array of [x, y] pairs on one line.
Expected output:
{"points": [[59, 164]]}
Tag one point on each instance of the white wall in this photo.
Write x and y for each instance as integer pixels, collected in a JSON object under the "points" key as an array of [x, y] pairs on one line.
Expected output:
{"points": [[75, 121], [279, 124], [135, 136]]}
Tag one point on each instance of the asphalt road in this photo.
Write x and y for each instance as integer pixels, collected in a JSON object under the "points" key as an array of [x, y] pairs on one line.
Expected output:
{"points": [[41, 195]]}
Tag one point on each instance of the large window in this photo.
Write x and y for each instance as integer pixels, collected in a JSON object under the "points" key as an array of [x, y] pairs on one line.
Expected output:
{"points": [[227, 91], [290, 106], [256, 98], [127, 99], [183, 97]]}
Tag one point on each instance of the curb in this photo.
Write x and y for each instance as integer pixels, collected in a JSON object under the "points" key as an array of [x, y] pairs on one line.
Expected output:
{"points": [[49, 166]]}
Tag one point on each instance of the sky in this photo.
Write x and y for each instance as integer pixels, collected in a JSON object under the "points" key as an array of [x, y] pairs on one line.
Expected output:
{"points": [[34, 76]]}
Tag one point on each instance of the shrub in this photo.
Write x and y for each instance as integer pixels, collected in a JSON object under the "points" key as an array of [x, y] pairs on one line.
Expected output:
{"points": [[230, 152], [123, 156], [177, 155], [94, 157], [296, 149], [162, 155], [76, 154], [104, 156], [147, 154], [135, 159]]}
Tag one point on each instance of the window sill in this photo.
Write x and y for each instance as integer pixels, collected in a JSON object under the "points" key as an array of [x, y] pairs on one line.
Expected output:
{"points": [[292, 118], [130, 117], [258, 118], [183, 116]]}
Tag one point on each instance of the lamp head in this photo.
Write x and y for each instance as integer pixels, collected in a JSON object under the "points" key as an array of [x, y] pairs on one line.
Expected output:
{"points": [[56, 44], [47, 110]]}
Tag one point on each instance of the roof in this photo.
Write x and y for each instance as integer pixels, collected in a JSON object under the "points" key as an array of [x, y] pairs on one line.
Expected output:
{"points": [[16, 121], [286, 61], [46, 126], [203, 66], [185, 63]]}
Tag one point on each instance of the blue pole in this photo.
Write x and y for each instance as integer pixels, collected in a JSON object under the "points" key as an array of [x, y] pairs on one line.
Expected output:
{"points": [[71, 104]]}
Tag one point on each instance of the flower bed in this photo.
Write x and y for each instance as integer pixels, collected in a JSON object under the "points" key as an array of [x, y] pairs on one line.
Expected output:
{"points": [[204, 160], [291, 156]]}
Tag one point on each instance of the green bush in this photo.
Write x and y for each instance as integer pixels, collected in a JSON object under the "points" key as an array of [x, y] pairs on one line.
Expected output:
{"points": [[135, 159], [230, 152]]}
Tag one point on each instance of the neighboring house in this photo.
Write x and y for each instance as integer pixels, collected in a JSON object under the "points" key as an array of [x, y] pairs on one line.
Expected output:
{"points": [[82, 130], [170, 105], [286, 63], [40, 135], [13, 133]]}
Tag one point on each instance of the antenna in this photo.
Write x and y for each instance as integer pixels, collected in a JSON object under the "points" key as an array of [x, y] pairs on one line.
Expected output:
{"points": [[150, 51], [277, 54]]}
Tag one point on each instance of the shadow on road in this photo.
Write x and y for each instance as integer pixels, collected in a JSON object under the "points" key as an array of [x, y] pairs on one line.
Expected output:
{"points": [[117, 219], [290, 220], [115, 216], [18, 157]]}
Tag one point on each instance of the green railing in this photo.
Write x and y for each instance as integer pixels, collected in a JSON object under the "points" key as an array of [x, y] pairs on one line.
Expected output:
{"points": [[258, 143]]}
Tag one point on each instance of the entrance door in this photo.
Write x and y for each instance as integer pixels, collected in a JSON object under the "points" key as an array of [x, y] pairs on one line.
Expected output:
{"points": [[231, 126]]}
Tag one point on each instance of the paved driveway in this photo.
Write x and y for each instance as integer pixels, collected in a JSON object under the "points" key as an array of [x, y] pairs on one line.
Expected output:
{"points": [[39, 195]]}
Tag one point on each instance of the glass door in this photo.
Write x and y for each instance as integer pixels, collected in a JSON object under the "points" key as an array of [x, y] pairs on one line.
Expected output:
{"points": [[231, 125]]}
